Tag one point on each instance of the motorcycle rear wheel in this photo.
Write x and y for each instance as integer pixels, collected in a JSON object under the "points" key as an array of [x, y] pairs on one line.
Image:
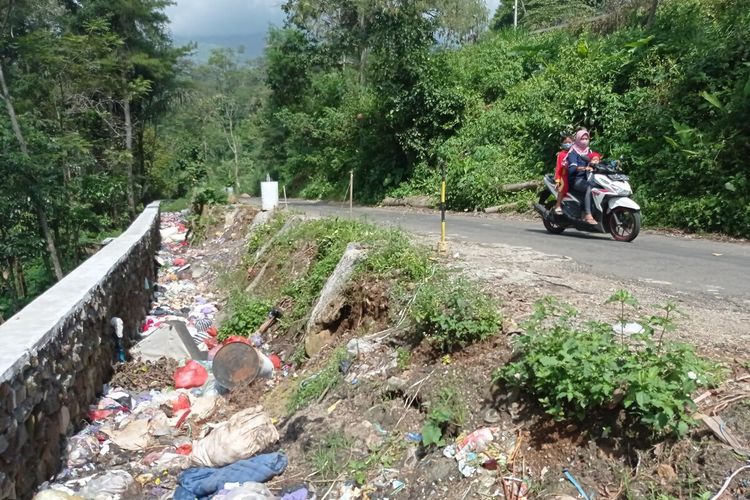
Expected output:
{"points": [[624, 223], [549, 203]]}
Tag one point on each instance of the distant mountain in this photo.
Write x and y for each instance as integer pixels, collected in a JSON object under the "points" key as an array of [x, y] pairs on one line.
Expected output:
{"points": [[253, 43]]}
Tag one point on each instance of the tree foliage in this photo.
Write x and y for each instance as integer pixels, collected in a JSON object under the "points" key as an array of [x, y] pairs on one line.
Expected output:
{"points": [[377, 88], [79, 83]]}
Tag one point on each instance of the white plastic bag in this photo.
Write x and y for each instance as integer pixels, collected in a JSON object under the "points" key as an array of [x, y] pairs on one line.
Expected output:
{"points": [[246, 491], [112, 485]]}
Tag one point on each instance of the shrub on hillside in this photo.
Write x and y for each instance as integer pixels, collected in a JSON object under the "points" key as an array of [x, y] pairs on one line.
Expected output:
{"points": [[575, 372], [452, 312]]}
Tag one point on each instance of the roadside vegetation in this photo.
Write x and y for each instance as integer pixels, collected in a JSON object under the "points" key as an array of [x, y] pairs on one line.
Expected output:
{"points": [[442, 334]]}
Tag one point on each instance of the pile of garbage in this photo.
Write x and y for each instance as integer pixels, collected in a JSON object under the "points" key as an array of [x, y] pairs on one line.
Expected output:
{"points": [[154, 433]]}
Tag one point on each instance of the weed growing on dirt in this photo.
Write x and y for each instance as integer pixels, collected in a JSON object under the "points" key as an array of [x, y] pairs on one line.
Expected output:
{"points": [[393, 252], [447, 414], [327, 457], [403, 358], [318, 385], [333, 456], [452, 312], [576, 371], [261, 235]]}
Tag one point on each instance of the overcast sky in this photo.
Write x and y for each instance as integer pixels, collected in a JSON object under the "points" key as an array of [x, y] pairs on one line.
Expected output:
{"points": [[232, 17]]}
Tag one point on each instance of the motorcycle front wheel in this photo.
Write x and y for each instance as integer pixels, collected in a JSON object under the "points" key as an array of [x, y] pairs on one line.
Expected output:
{"points": [[624, 223]]}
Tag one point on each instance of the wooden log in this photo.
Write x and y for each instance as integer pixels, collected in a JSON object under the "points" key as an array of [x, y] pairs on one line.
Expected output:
{"points": [[409, 201], [519, 186], [507, 207]]}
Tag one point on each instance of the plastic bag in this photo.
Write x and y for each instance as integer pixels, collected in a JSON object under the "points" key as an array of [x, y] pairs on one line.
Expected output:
{"points": [[245, 491], [181, 403], [193, 374], [242, 436], [114, 484], [53, 494], [82, 449]]}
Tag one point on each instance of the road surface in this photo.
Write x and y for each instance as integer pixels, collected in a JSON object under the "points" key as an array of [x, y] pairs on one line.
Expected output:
{"points": [[698, 267]]}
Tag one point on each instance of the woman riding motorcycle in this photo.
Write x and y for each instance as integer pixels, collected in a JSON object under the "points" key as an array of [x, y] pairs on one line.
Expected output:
{"points": [[579, 159]]}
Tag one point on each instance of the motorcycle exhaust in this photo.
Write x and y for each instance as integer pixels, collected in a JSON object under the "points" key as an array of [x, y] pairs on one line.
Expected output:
{"points": [[541, 210]]}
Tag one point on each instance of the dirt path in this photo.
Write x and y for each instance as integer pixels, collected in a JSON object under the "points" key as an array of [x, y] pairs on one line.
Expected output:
{"points": [[520, 276]]}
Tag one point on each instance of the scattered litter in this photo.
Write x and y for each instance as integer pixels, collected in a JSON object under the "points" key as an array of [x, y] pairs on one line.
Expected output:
{"points": [[206, 481], [628, 328], [193, 374], [575, 483], [244, 491], [414, 437], [298, 494], [112, 484], [480, 449], [719, 428]]}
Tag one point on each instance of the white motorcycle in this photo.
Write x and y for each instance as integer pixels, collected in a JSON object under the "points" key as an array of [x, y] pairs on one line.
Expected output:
{"points": [[612, 208]]}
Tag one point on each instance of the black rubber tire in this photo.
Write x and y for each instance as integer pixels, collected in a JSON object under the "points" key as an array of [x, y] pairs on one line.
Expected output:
{"points": [[628, 230], [546, 199]]}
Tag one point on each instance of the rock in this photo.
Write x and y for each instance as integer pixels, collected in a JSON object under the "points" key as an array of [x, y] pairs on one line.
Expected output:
{"points": [[365, 432], [486, 486], [328, 308], [355, 347], [314, 343], [64, 420], [199, 271], [666, 473], [397, 384], [440, 470], [492, 416]]}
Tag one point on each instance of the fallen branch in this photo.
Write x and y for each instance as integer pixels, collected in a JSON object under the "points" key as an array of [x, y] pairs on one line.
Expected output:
{"points": [[507, 207], [519, 186]]}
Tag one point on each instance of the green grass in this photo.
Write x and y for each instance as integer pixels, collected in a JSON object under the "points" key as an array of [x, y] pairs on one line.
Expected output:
{"points": [[327, 456], [176, 205], [312, 388]]}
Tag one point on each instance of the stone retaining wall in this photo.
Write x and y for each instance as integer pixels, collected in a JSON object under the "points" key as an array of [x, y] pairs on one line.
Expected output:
{"points": [[57, 352]]}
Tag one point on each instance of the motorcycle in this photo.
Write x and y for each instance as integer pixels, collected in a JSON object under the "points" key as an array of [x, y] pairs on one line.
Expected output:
{"points": [[615, 213]]}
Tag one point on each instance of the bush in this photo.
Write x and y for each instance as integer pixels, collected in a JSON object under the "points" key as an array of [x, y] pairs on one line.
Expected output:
{"points": [[574, 372], [453, 312], [247, 314]]}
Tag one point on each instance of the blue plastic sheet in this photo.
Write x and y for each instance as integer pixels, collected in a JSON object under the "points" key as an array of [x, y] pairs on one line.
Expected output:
{"points": [[202, 482]]}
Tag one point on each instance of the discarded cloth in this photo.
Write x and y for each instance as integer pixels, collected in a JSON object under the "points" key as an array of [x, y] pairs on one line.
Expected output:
{"points": [[243, 435], [202, 482]]}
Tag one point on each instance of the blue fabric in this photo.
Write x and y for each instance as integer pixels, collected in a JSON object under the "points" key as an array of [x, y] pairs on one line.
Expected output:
{"points": [[202, 482], [575, 160]]}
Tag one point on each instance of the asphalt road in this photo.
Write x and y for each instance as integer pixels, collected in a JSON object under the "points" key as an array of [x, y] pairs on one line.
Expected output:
{"points": [[697, 267]]}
